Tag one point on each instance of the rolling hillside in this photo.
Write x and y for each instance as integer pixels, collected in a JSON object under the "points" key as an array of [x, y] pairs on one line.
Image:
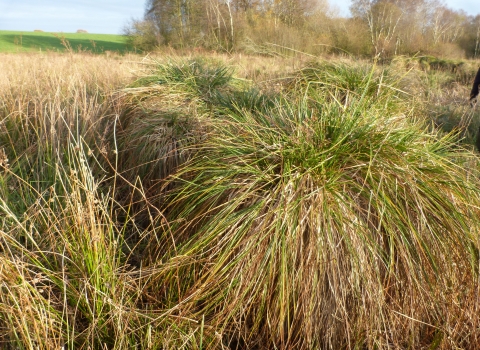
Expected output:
{"points": [[17, 41]]}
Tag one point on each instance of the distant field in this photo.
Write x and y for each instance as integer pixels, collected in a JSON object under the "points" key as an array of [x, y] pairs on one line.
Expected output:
{"points": [[17, 41]]}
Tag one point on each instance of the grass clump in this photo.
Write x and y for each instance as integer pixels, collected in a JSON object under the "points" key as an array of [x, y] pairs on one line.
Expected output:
{"points": [[344, 83], [66, 273], [311, 225], [198, 76], [168, 111]]}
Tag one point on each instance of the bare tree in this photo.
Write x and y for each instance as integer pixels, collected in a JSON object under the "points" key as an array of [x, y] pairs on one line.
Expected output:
{"points": [[446, 25], [476, 24], [246, 5], [382, 18], [293, 12]]}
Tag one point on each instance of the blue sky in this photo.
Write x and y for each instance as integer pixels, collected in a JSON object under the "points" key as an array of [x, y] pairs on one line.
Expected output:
{"points": [[110, 16], [95, 16]]}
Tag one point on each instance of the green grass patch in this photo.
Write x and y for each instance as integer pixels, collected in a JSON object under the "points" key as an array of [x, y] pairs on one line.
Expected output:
{"points": [[18, 41]]}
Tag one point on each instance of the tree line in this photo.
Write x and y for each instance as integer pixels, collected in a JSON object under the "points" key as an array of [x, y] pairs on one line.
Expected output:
{"points": [[380, 28]]}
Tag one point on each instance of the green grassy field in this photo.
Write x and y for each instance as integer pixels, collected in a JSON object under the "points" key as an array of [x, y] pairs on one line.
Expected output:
{"points": [[18, 41]]}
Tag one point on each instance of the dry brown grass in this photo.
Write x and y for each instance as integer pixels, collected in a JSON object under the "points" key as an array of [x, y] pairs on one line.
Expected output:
{"points": [[89, 258], [50, 70]]}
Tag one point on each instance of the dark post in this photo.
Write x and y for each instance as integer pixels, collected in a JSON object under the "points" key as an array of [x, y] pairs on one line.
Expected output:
{"points": [[476, 83], [473, 100]]}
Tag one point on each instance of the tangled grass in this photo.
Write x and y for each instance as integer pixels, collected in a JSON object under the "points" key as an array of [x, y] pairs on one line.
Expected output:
{"points": [[313, 224], [173, 205]]}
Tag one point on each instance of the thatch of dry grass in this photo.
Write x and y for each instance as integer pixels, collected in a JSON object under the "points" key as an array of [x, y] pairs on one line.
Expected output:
{"points": [[174, 203]]}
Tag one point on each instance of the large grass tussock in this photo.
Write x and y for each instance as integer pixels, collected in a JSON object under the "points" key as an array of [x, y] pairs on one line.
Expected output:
{"points": [[174, 204], [315, 224]]}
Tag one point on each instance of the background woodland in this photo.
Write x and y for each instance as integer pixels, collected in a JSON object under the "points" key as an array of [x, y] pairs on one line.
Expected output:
{"points": [[379, 28]]}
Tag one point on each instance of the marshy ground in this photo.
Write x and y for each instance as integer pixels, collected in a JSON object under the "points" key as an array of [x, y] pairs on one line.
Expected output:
{"points": [[198, 200]]}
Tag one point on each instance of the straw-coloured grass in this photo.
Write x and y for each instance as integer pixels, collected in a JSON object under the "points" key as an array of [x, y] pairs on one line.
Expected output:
{"points": [[173, 204], [312, 225]]}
